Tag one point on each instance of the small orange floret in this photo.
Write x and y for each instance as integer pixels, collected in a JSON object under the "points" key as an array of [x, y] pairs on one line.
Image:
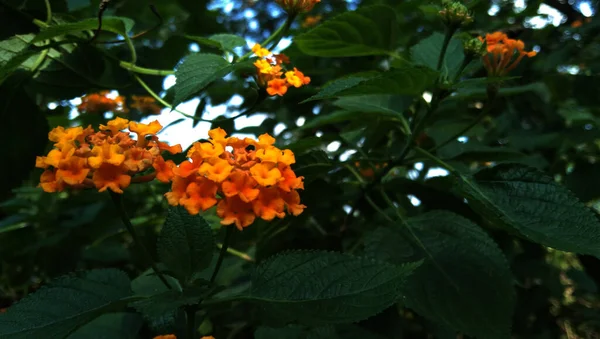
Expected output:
{"points": [[277, 87], [501, 53], [145, 129], [83, 158], [269, 73], [100, 103], [246, 178], [259, 51], [145, 104]]}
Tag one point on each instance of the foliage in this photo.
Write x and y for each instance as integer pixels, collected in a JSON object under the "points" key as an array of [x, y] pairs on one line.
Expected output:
{"points": [[325, 169]]}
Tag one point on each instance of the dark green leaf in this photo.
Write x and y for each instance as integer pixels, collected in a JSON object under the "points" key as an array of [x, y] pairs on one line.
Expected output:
{"points": [[197, 71], [398, 81], [110, 326], [390, 106], [531, 203], [465, 282], [317, 288], [427, 53], [366, 31], [169, 301], [65, 304], [116, 25], [312, 164], [186, 243]]}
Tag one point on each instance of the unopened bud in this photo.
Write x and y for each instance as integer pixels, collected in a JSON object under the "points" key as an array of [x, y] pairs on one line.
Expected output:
{"points": [[297, 6], [474, 48], [455, 14]]}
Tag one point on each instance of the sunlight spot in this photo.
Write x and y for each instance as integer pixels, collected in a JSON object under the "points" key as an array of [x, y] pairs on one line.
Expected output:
{"points": [[436, 172], [334, 146], [414, 200], [427, 97], [346, 155], [169, 82], [300, 121], [280, 127]]}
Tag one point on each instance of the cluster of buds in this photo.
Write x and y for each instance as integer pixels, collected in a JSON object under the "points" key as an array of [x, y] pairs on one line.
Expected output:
{"points": [[245, 178], [269, 72], [101, 102], [474, 48], [297, 6], [454, 14], [501, 51], [105, 159]]}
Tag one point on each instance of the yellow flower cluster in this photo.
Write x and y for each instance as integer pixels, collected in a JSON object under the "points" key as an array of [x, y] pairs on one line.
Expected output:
{"points": [[270, 72]]}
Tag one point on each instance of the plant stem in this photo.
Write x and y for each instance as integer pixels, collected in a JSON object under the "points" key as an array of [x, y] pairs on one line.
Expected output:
{"points": [[436, 160], [142, 70], [190, 318], [48, 12], [239, 254], [279, 32], [228, 232], [118, 201], [447, 38]]}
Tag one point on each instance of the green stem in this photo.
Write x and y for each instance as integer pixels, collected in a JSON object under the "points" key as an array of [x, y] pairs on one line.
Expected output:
{"points": [[228, 233], [118, 201], [279, 32], [142, 70], [48, 12], [190, 318], [239, 254], [447, 38], [436, 160]]}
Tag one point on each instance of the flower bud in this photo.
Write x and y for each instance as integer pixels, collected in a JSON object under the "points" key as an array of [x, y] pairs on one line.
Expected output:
{"points": [[455, 14], [297, 6], [474, 48]]}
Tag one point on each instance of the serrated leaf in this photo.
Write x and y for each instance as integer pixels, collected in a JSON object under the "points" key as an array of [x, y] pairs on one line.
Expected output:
{"points": [[319, 288], [529, 202], [110, 326], [118, 25], [464, 283], [225, 42], [398, 81], [427, 53], [197, 71], [366, 31], [186, 243], [56, 310], [163, 303], [312, 164]]}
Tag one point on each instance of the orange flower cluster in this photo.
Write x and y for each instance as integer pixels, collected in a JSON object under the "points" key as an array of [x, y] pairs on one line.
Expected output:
{"points": [[297, 6], [270, 72], [107, 159], [501, 51], [100, 103], [245, 178], [145, 104], [369, 172]]}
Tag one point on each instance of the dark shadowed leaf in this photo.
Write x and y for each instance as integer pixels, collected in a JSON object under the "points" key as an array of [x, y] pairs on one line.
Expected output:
{"points": [[110, 326], [65, 304], [318, 288], [186, 244], [464, 283], [367, 31], [531, 203], [114, 24], [427, 52]]}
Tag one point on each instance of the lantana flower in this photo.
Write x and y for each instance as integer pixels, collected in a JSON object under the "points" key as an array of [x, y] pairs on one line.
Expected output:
{"points": [[503, 54], [100, 103], [270, 73], [106, 159], [297, 6], [244, 178]]}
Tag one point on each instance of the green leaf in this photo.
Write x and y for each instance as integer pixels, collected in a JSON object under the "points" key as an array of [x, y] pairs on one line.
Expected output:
{"points": [[319, 288], [427, 53], [390, 106], [465, 282], [224, 42], [296, 332], [312, 164], [186, 243], [197, 71], [530, 203], [110, 326], [116, 25], [398, 81], [56, 310], [163, 303], [366, 31], [14, 54]]}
